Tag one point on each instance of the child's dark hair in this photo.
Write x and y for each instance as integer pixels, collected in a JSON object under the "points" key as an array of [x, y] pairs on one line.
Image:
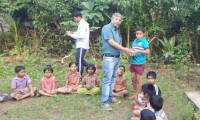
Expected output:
{"points": [[123, 67], [149, 89], [156, 102], [91, 66], [147, 114], [19, 68], [139, 28], [49, 68], [152, 74], [71, 63]]}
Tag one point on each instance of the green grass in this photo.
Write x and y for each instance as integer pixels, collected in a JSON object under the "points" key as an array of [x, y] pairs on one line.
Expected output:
{"points": [[81, 107]]}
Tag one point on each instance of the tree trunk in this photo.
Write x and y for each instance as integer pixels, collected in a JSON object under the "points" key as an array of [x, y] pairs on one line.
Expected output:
{"points": [[190, 45]]}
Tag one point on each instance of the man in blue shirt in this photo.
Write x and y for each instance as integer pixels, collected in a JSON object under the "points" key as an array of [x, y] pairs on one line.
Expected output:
{"points": [[111, 57]]}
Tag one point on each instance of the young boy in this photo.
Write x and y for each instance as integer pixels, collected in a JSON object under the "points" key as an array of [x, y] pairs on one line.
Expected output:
{"points": [[120, 83], [142, 100], [156, 102], [90, 83], [151, 77], [140, 48], [21, 84], [145, 114]]}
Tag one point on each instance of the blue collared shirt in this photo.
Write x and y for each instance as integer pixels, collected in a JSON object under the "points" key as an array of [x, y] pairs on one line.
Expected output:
{"points": [[109, 32]]}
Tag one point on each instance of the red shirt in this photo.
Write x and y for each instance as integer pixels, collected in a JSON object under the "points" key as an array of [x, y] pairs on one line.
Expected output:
{"points": [[73, 78], [91, 80]]}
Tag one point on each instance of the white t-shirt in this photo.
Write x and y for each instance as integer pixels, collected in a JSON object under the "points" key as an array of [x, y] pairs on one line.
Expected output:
{"points": [[82, 35], [160, 115], [156, 89]]}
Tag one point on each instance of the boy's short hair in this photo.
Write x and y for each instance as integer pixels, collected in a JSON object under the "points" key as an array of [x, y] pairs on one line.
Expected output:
{"points": [[156, 102], [139, 28], [147, 114], [91, 66], [19, 68], [49, 68], [149, 89], [76, 14], [71, 63], [152, 74], [123, 67]]}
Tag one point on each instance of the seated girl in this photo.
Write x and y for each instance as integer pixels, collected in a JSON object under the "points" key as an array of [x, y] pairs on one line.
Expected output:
{"points": [[90, 83], [72, 80], [48, 82]]}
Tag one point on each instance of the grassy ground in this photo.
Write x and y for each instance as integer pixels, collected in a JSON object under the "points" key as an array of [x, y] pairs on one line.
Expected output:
{"points": [[81, 107]]}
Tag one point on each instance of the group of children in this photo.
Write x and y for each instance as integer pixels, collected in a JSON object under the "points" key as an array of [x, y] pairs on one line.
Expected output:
{"points": [[22, 87], [145, 106], [148, 104]]}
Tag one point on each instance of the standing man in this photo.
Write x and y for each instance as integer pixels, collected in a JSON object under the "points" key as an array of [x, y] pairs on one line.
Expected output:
{"points": [[82, 40], [111, 58]]}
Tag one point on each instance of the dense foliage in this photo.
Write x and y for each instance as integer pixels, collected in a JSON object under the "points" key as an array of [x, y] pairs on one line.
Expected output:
{"points": [[40, 24]]}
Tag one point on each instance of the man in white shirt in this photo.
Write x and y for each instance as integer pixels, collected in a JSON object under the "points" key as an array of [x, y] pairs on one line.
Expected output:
{"points": [[82, 40]]}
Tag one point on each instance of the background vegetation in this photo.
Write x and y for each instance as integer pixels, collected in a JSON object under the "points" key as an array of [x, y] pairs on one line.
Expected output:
{"points": [[32, 33], [41, 24]]}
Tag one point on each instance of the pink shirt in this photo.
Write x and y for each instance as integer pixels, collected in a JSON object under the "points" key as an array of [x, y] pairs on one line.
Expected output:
{"points": [[48, 83], [73, 78]]}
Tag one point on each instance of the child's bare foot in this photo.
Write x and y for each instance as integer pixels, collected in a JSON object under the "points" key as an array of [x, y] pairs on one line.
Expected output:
{"points": [[132, 97], [17, 98], [133, 104], [121, 96]]}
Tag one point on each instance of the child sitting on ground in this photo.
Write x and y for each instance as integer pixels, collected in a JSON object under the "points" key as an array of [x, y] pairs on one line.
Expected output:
{"points": [[151, 77], [120, 83], [145, 114], [72, 80], [142, 100], [156, 102], [90, 82], [21, 84], [48, 82]]}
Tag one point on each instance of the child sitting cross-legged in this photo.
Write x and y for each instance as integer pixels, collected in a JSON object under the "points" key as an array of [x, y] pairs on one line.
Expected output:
{"points": [[72, 80], [142, 100], [90, 82], [145, 114], [120, 83], [156, 102], [21, 84], [48, 83]]}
